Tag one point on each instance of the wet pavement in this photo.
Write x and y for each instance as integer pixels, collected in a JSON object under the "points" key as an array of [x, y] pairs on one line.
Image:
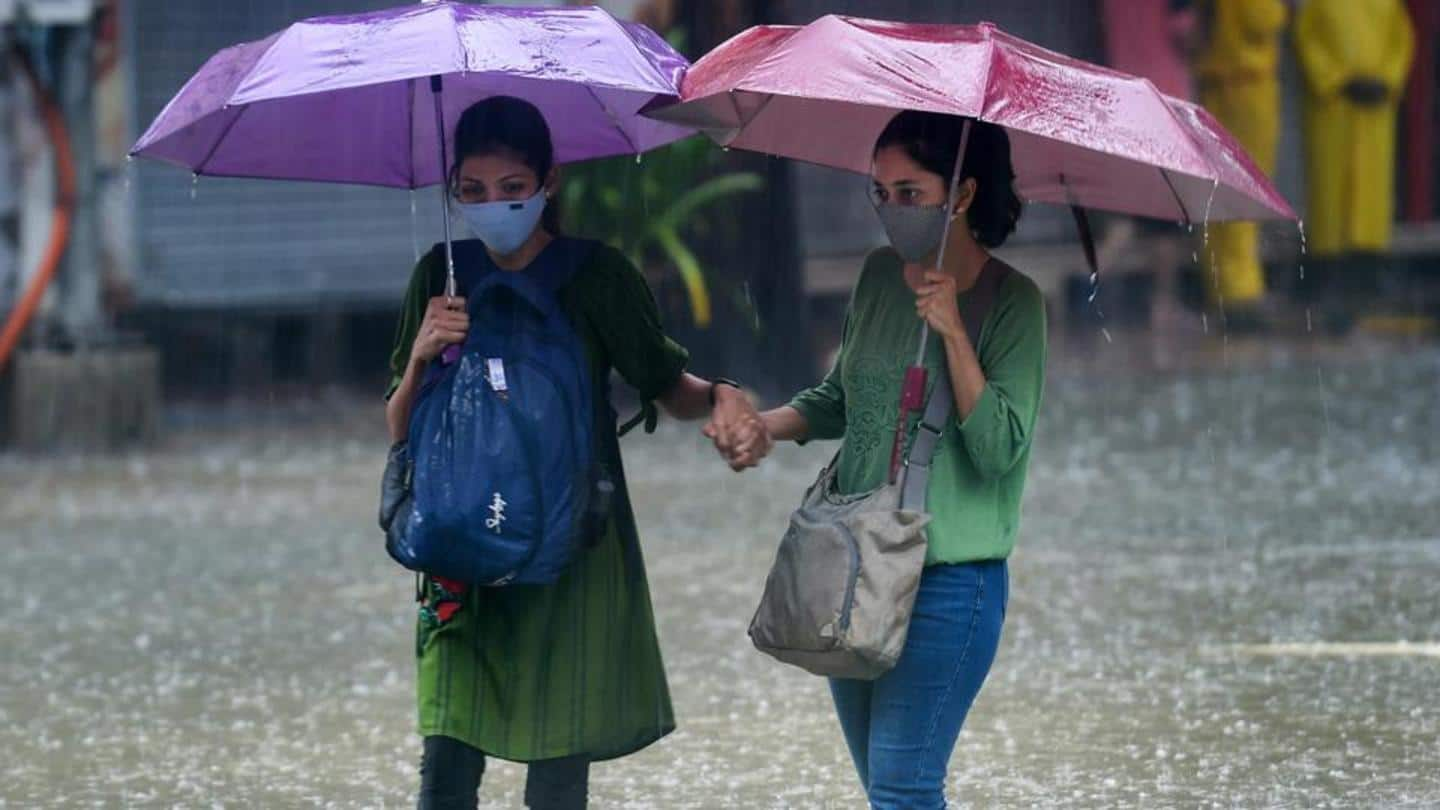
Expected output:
{"points": [[1224, 545]]}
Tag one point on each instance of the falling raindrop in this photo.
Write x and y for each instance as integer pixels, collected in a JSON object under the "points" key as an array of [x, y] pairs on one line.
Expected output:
{"points": [[194, 185], [414, 227], [1308, 326], [1304, 248]]}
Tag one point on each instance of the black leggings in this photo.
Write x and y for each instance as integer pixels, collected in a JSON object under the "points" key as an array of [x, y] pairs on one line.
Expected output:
{"points": [[450, 774]]}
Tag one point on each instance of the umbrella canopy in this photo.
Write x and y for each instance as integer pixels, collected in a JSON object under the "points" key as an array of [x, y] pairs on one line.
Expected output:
{"points": [[350, 99], [1080, 134]]}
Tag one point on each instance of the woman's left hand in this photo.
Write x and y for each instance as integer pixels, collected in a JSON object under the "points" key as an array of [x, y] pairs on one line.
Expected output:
{"points": [[737, 429], [936, 303]]}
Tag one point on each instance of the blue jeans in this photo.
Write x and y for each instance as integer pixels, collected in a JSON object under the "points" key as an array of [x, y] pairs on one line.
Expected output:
{"points": [[901, 728]]}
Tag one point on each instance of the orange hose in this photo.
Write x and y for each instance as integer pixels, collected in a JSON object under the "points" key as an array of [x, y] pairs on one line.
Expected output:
{"points": [[60, 225]]}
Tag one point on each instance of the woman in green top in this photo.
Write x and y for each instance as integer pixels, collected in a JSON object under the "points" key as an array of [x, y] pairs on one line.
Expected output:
{"points": [[902, 727], [561, 675]]}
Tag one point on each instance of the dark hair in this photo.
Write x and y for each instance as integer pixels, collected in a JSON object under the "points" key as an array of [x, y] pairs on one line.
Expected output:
{"points": [[509, 125], [933, 140]]}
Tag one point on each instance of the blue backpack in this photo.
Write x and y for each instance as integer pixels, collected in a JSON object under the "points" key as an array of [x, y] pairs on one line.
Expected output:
{"points": [[504, 481]]}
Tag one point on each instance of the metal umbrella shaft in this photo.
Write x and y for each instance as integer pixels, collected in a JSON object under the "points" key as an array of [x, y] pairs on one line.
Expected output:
{"points": [[912, 391]]}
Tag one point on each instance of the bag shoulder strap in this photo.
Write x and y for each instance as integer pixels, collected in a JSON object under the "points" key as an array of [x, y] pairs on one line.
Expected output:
{"points": [[978, 304], [473, 264]]}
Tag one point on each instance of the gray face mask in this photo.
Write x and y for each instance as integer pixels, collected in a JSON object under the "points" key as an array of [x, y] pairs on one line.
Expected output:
{"points": [[915, 231]]}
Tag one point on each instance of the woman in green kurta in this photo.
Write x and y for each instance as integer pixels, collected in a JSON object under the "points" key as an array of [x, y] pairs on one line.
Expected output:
{"points": [[902, 727], [561, 675]]}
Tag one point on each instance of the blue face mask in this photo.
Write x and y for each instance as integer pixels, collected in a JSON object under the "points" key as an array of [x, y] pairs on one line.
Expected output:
{"points": [[505, 225]]}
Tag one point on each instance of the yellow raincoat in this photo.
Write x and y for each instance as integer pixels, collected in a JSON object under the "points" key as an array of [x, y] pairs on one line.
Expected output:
{"points": [[1351, 148], [1240, 85]]}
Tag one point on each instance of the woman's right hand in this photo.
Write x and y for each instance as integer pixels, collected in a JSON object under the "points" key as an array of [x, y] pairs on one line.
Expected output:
{"points": [[446, 322]]}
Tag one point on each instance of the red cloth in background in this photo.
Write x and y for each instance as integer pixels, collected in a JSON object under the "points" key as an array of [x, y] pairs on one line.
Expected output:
{"points": [[1143, 37]]}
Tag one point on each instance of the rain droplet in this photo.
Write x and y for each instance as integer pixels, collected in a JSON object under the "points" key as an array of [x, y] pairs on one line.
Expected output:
{"points": [[1106, 333], [1308, 327], [194, 185], [1205, 227], [639, 157], [414, 227]]}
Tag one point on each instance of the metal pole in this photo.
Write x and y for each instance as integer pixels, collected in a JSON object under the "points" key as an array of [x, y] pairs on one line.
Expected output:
{"points": [[435, 89], [80, 316], [945, 238]]}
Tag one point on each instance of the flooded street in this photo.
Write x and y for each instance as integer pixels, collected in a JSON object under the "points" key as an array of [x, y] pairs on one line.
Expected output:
{"points": [[1224, 595]]}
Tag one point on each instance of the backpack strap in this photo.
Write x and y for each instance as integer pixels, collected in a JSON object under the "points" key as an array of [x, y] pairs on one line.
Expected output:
{"points": [[473, 267], [915, 480], [537, 286]]}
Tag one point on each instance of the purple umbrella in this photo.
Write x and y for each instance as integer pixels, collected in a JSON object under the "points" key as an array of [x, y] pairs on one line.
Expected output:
{"points": [[369, 98]]}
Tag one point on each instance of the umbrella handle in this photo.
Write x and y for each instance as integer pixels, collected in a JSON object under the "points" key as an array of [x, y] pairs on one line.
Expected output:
{"points": [[452, 352], [912, 398]]}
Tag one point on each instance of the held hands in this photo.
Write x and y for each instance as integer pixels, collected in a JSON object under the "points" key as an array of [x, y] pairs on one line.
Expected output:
{"points": [[445, 323], [935, 302], [735, 426]]}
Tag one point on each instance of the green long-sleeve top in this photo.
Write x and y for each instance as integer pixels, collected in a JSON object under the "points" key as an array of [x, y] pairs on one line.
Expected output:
{"points": [[532, 672], [979, 470]]}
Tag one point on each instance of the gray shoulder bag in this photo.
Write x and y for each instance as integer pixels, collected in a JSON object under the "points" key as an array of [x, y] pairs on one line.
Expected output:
{"points": [[841, 590]]}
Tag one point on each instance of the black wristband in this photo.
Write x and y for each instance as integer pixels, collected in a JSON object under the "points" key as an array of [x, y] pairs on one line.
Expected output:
{"points": [[718, 381]]}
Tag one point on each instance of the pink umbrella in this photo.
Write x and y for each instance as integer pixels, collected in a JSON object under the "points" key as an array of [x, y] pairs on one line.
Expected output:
{"points": [[1080, 134]]}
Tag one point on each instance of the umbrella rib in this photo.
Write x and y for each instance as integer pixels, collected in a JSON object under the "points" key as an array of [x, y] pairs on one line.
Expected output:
{"points": [[1184, 130], [214, 147], [1178, 199], [631, 141]]}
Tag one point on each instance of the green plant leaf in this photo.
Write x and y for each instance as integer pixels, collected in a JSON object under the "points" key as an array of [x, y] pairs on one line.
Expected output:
{"points": [[716, 188], [690, 273]]}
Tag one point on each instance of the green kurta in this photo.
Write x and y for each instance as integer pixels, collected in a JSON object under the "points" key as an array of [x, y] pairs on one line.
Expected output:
{"points": [[527, 673], [978, 475]]}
